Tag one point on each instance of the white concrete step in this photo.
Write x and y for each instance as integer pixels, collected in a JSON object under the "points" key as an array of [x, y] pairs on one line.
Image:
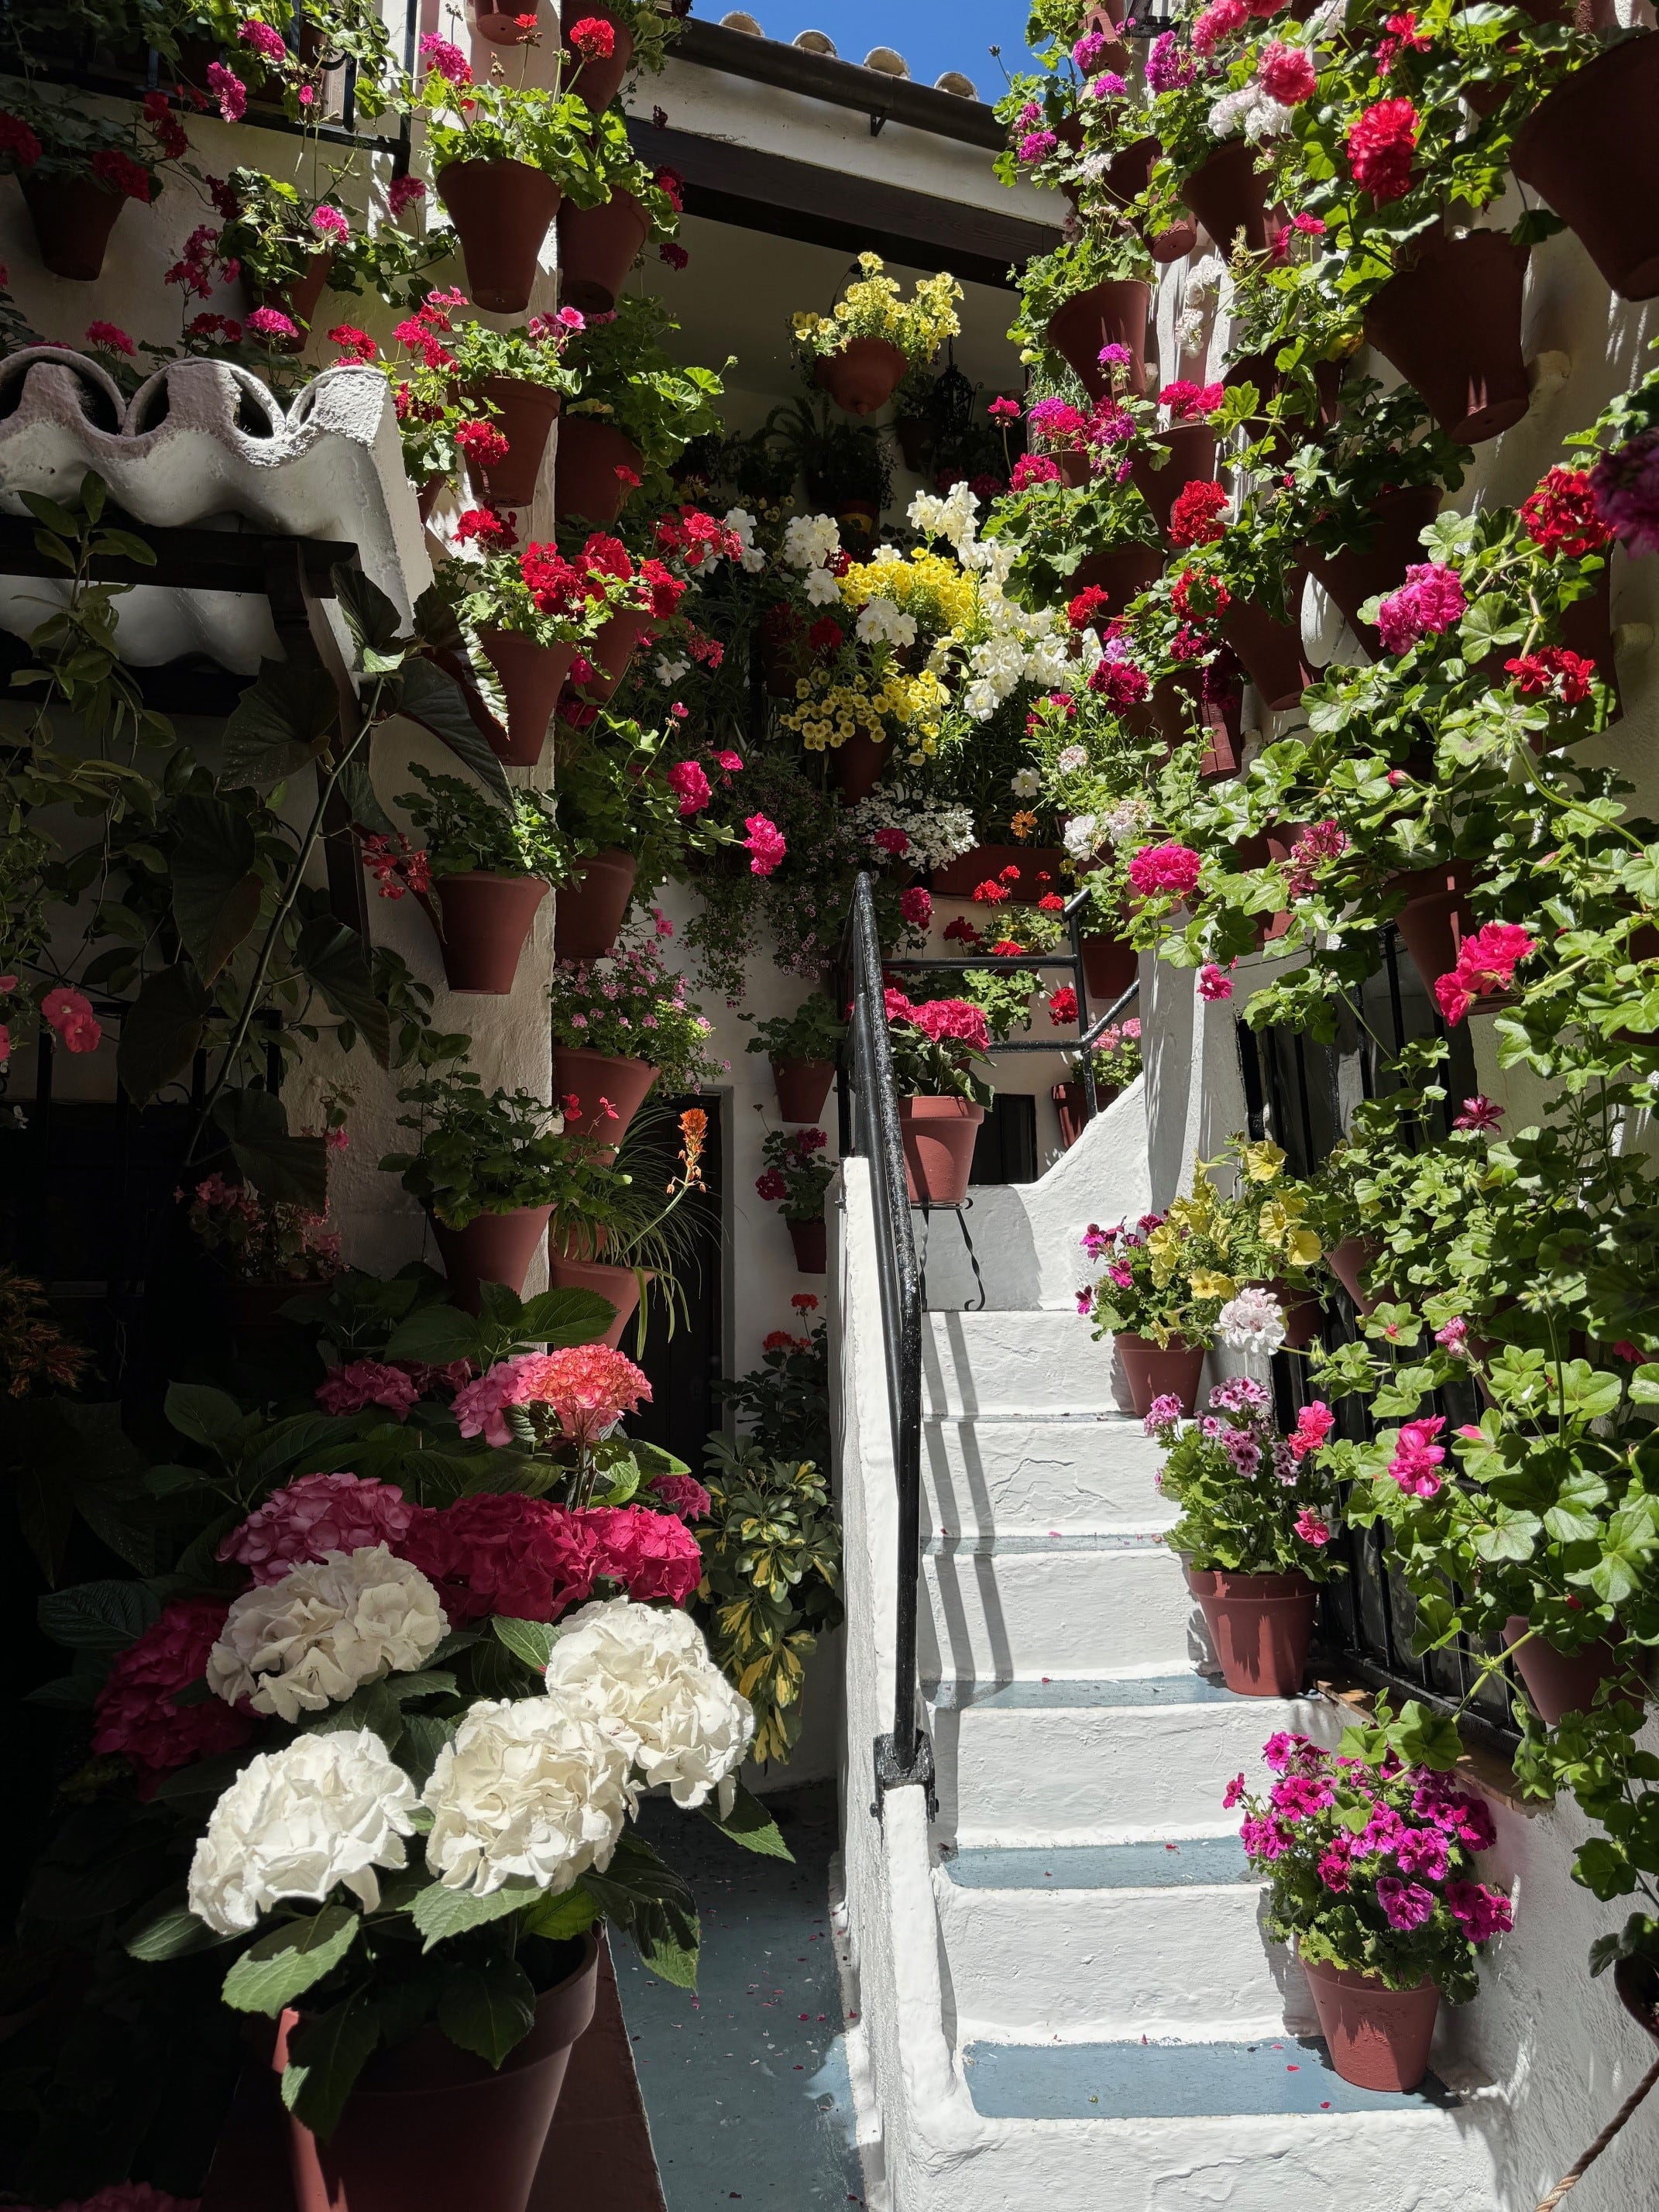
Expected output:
{"points": [[1021, 1362], [988, 1473], [1084, 1602]]}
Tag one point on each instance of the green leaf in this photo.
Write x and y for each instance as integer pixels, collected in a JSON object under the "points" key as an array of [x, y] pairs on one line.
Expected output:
{"points": [[750, 1824], [48, 511], [529, 1640], [370, 616], [424, 1736], [69, 1694], [487, 2006], [160, 1032], [336, 960], [435, 1335], [1645, 1383], [105, 1616], [437, 702], [1424, 1738], [292, 1170], [435, 622], [440, 1913], [279, 724], [561, 1318], [361, 800], [203, 1414], [670, 1953], [165, 1929], [326, 2053], [273, 1972], [560, 1917], [217, 889]]}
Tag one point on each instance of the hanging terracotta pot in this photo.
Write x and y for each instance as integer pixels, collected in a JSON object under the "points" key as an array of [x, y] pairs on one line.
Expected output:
{"points": [[803, 1087], [811, 1241], [1039, 867], [1110, 966], [856, 765], [495, 1248], [1191, 450], [858, 518], [585, 481], [482, 920], [502, 29], [532, 676], [1229, 196], [598, 1081], [938, 1136], [1350, 1262], [1271, 650], [1378, 2038], [426, 497], [589, 911], [1562, 1682], [429, 2124], [1068, 1110], [1435, 917], [525, 416], [613, 650], [1356, 574], [863, 375], [1110, 313], [1589, 151], [1155, 1370], [1450, 323], [598, 246], [1302, 1313], [502, 211], [1127, 175], [914, 434], [1261, 1627], [298, 300], [73, 217], [1123, 574], [620, 1284], [600, 81]]}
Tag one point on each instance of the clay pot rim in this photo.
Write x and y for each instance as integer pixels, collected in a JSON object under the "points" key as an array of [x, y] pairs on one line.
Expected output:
{"points": [[1362, 1978], [1284, 1584]]}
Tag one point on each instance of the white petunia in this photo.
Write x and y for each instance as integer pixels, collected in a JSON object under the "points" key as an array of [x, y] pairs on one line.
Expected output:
{"points": [[821, 589], [1026, 783], [1253, 1322], [526, 1790], [306, 1642], [327, 1808], [880, 622], [643, 1673], [739, 520], [811, 541], [670, 670]]}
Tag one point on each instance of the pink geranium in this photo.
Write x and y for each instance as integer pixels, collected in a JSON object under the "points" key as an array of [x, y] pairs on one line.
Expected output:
{"points": [[1417, 1458], [1168, 870], [314, 1515], [1486, 961], [765, 845], [1314, 1425], [690, 785], [135, 1716], [70, 1012], [1428, 603], [1287, 73]]}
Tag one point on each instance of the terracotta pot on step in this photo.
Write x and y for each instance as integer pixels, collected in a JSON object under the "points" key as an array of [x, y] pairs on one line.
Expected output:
{"points": [[855, 765], [939, 1135], [502, 29], [621, 1286], [1122, 574], [585, 478], [1271, 650], [1436, 918], [1562, 1682], [482, 920], [525, 416], [1229, 195], [1261, 1627], [600, 81], [1351, 1261], [811, 1241], [298, 300], [1039, 869], [803, 1087], [1191, 450], [1110, 966], [532, 676], [1590, 150], [1111, 314], [1378, 2038], [598, 246], [495, 1248], [595, 1080], [73, 217], [1356, 574], [590, 911], [1450, 323], [503, 211], [1154, 1371], [863, 375], [612, 652], [429, 2124]]}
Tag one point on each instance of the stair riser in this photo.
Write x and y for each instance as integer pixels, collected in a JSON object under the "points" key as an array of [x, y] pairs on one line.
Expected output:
{"points": [[1018, 1363], [992, 1617], [987, 1475]]}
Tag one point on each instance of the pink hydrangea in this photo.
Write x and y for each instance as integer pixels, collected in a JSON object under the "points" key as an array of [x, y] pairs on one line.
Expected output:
{"points": [[765, 845], [318, 1514], [523, 1558], [1417, 1457], [1429, 601], [357, 1384], [652, 1554], [135, 1716], [683, 1494], [589, 1386], [1170, 871]]}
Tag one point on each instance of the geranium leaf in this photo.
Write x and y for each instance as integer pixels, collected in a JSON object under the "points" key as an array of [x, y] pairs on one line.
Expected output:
{"points": [[162, 1030], [273, 1972]]}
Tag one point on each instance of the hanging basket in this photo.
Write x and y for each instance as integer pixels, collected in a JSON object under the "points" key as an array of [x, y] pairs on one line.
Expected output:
{"points": [[1122, 574], [1156, 1370], [298, 300], [601, 81], [1271, 650], [612, 653], [595, 1080], [855, 765], [1110, 313], [503, 211], [863, 375], [811, 1241], [525, 416], [1591, 152], [1191, 450], [621, 1286], [803, 1087], [1450, 323], [938, 1136]]}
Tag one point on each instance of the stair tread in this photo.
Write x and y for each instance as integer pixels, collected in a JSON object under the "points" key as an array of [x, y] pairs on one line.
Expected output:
{"points": [[1056, 1692], [1189, 1863], [1287, 2075]]}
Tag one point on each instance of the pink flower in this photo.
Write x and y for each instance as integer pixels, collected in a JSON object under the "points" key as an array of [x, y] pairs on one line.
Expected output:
{"points": [[1217, 21], [1486, 962], [1165, 871], [1036, 146], [1165, 1412], [360, 1383], [70, 1012], [916, 906], [1033, 468], [329, 223], [1625, 486], [652, 1554], [1114, 355], [1214, 983], [1311, 1529], [446, 60], [690, 786], [1003, 408], [272, 324], [1422, 1851], [1335, 1869], [1264, 1838], [404, 193], [501, 1552], [111, 337], [265, 42], [1455, 1338], [316, 1515], [1429, 601], [229, 90], [1314, 1425], [1233, 1792], [135, 1716], [1417, 1457], [683, 1494], [765, 845], [1167, 68], [1287, 73], [1481, 1913], [1380, 148], [1407, 1904], [1479, 1113], [593, 38], [955, 1021]]}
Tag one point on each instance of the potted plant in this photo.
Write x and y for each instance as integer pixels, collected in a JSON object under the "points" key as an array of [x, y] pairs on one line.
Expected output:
{"points": [[78, 170], [596, 65], [937, 1049], [1257, 1516], [796, 1179], [537, 617], [635, 411], [1587, 150], [860, 351], [489, 870], [627, 822], [515, 381], [598, 245], [849, 476], [619, 1023], [1116, 1064], [803, 1048], [1083, 310], [620, 1229], [267, 1248], [1370, 1872]]}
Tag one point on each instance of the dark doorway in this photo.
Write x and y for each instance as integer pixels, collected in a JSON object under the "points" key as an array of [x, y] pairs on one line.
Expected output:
{"points": [[1005, 1150], [683, 1348]]}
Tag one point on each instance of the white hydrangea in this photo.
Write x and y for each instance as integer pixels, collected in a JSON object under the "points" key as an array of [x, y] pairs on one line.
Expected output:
{"points": [[326, 1808], [297, 1645], [1026, 783], [739, 520], [643, 1673], [880, 622], [1253, 1322], [1081, 836], [821, 589], [811, 541], [526, 1789]]}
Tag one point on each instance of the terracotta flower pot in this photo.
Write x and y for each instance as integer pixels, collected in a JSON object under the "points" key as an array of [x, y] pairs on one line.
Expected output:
{"points": [[1111, 314], [1302, 1315], [1590, 150], [496, 1248], [939, 1135], [482, 920], [1229, 195], [1261, 1627], [598, 246], [1271, 650], [1562, 1682], [1435, 917], [1122, 574], [1110, 966], [298, 300], [1155, 1370], [1353, 576], [600, 81], [1351, 1262], [856, 765], [429, 2124], [595, 1080], [1450, 324], [864, 375], [914, 435], [612, 652], [1191, 448], [1127, 175], [620, 1284], [503, 29], [803, 1087], [525, 413], [532, 677], [73, 217], [811, 1241], [503, 211], [585, 478], [858, 518], [590, 911], [1039, 869], [1378, 2038]]}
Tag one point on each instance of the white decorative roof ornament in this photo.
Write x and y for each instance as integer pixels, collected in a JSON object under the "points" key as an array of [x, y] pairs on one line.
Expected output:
{"points": [[206, 443], [954, 81], [888, 60], [816, 42]]}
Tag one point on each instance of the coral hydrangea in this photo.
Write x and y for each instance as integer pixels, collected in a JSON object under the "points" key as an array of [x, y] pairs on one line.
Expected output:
{"points": [[135, 1716], [313, 1517]]}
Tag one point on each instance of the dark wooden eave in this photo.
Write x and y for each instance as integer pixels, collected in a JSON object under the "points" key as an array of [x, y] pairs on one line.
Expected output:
{"points": [[883, 99]]}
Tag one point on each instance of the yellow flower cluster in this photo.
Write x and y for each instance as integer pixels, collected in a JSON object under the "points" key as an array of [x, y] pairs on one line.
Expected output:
{"points": [[828, 712], [939, 594], [872, 307]]}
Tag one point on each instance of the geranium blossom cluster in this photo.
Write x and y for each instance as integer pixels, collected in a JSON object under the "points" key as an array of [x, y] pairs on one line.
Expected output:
{"points": [[1486, 961], [1625, 485], [1429, 602], [632, 1006], [1252, 1500]]}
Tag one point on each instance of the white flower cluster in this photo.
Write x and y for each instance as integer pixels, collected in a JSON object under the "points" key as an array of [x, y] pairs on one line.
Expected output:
{"points": [[1071, 758], [1127, 820], [880, 622], [1026, 783], [669, 670], [326, 1808], [1081, 836], [739, 520], [937, 833], [1252, 111], [812, 542], [526, 1790], [297, 1645], [1018, 645], [1203, 281], [1253, 1322], [954, 518]]}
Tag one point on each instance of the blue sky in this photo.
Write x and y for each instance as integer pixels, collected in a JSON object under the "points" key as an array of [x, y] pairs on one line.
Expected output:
{"points": [[932, 34]]}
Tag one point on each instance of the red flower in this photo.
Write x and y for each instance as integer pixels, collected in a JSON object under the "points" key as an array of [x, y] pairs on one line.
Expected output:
{"points": [[121, 173], [1033, 468], [1541, 671], [1197, 597], [17, 140], [1486, 962], [354, 344], [826, 635], [134, 1713], [1004, 409], [482, 443], [1123, 683], [1287, 73], [990, 892], [1560, 516], [1086, 607], [482, 525], [1380, 148], [916, 906], [1062, 1004], [593, 38], [675, 256], [771, 1185], [1196, 517], [961, 931]]}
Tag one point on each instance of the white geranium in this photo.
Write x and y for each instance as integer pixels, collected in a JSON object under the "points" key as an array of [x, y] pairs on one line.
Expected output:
{"points": [[643, 1673], [526, 1789], [1253, 1322], [297, 1645], [326, 1808], [811, 541], [1127, 820], [1081, 836], [881, 621], [1070, 758]]}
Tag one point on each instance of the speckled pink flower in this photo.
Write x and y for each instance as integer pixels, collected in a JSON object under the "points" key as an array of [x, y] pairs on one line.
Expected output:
{"points": [[651, 1554]]}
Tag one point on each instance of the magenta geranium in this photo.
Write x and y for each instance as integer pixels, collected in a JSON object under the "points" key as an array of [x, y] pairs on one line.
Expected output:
{"points": [[1486, 962], [1166, 871], [1429, 602]]}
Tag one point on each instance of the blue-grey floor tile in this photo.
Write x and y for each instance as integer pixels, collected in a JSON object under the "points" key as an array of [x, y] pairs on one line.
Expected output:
{"points": [[1187, 1864], [1170, 2081]]}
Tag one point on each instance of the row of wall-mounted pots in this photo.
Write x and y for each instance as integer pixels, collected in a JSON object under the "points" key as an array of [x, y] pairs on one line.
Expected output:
{"points": [[482, 920], [498, 1248]]}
